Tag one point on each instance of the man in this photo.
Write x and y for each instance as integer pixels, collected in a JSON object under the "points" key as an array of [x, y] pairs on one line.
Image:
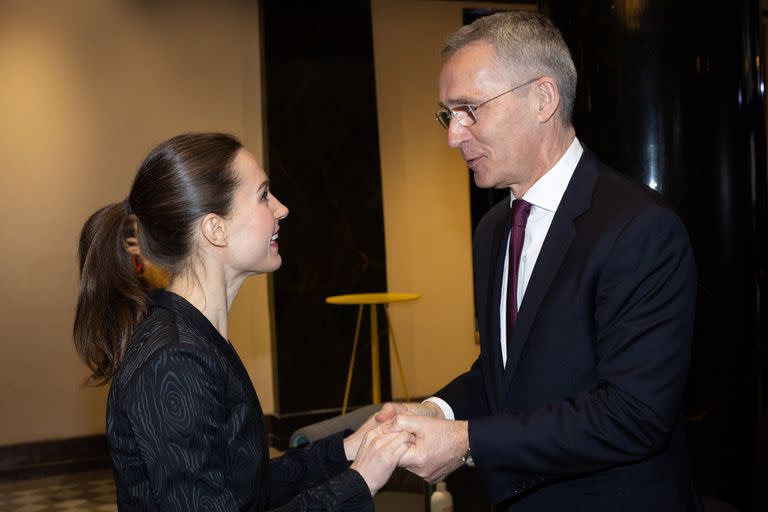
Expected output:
{"points": [[576, 400]]}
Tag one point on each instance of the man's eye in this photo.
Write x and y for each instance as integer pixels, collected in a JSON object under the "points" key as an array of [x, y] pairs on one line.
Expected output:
{"points": [[462, 112]]}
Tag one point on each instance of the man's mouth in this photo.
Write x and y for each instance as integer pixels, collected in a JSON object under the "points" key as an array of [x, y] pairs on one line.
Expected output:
{"points": [[472, 161]]}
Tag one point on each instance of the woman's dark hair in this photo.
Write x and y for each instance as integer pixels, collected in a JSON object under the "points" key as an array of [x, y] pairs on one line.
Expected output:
{"points": [[179, 182]]}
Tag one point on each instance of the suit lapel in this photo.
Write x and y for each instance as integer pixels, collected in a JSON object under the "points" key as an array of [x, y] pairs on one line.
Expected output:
{"points": [[493, 367], [575, 201]]}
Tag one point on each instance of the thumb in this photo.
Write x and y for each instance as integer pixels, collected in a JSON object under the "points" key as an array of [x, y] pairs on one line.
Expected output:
{"points": [[408, 423], [387, 412]]}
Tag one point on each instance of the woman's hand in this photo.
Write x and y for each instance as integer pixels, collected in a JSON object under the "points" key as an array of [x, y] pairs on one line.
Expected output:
{"points": [[379, 454], [352, 442]]}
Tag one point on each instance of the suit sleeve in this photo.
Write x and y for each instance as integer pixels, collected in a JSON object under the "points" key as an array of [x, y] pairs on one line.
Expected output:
{"points": [[466, 393], [175, 409], [643, 317], [317, 477]]}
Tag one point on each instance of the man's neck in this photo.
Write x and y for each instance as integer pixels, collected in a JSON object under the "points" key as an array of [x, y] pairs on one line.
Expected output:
{"points": [[551, 150]]}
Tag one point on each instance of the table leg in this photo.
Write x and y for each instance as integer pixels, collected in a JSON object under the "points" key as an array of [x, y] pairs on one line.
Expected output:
{"points": [[397, 354], [375, 377], [352, 359]]}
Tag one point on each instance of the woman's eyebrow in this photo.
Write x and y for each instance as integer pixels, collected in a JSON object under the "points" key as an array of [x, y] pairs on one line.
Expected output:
{"points": [[264, 183]]}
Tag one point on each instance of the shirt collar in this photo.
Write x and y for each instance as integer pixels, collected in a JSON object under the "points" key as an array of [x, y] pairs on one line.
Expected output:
{"points": [[548, 190]]}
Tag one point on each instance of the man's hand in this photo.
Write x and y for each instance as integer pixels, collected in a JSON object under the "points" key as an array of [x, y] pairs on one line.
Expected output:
{"points": [[391, 409], [439, 447]]}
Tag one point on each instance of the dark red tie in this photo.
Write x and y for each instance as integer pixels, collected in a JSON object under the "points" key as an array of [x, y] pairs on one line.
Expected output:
{"points": [[520, 211]]}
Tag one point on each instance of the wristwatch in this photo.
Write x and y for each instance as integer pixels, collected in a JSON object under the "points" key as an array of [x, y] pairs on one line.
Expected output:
{"points": [[467, 459]]}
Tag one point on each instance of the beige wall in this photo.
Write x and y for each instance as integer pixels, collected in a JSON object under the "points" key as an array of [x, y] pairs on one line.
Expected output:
{"points": [[86, 88], [426, 197]]}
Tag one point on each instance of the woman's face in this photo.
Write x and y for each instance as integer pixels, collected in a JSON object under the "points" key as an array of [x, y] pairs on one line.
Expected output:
{"points": [[253, 222]]}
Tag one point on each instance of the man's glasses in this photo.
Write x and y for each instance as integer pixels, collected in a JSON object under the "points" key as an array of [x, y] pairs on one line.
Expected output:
{"points": [[465, 114]]}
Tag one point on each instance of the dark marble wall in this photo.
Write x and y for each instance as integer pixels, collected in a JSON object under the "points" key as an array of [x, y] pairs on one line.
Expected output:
{"points": [[322, 157]]}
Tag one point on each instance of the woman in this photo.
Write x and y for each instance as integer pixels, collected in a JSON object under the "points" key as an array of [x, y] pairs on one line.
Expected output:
{"points": [[184, 424]]}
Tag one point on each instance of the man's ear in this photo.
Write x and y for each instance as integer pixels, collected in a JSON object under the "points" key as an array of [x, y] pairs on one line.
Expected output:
{"points": [[547, 97], [214, 230]]}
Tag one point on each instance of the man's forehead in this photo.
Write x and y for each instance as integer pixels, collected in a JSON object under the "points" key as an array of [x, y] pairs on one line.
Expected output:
{"points": [[468, 75], [473, 56]]}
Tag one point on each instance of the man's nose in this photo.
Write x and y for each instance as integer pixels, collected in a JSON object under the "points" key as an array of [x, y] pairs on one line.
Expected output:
{"points": [[457, 134]]}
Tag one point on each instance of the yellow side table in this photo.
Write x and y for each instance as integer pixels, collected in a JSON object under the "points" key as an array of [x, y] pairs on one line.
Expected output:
{"points": [[372, 299]]}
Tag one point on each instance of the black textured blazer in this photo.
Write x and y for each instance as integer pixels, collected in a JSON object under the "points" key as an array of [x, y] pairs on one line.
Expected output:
{"points": [[186, 430]]}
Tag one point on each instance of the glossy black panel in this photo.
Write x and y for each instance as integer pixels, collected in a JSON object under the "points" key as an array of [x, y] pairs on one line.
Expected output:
{"points": [[670, 93], [323, 161]]}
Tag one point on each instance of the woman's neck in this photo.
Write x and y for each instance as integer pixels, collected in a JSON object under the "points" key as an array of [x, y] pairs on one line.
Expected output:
{"points": [[210, 292]]}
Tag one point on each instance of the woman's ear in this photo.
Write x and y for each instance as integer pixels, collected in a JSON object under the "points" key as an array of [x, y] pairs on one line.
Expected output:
{"points": [[214, 230]]}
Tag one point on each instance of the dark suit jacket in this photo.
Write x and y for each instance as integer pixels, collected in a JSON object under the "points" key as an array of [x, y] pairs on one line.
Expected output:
{"points": [[588, 413], [186, 431]]}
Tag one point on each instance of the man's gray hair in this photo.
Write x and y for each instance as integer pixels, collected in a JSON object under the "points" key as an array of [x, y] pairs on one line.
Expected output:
{"points": [[525, 42]]}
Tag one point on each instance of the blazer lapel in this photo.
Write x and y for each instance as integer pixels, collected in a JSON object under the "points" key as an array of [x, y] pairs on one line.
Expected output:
{"points": [[237, 364], [575, 201], [191, 316]]}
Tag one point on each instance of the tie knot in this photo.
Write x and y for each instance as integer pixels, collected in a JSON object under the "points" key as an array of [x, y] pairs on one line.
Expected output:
{"points": [[520, 211]]}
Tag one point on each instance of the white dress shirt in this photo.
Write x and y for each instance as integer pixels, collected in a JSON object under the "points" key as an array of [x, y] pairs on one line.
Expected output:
{"points": [[544, 195]]}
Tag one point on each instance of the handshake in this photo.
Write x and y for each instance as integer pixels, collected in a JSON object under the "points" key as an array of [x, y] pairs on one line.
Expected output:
{"points": [[415, 436]]}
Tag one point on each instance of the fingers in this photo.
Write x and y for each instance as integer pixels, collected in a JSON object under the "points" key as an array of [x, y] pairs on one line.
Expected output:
{"points": [[379, 454], [394, 444], [410, 457], [401, 450], [383, 435], [405, 422], [352, 442], [387, 431], [438, 447], [404, 438], [388, 411]]}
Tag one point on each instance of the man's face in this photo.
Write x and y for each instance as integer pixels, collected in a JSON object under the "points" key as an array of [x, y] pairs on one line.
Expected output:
{"points": [[501, 146]]}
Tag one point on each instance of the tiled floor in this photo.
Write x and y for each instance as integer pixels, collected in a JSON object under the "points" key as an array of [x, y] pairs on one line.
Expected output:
{"points": [[78, 492], [94, 491]]}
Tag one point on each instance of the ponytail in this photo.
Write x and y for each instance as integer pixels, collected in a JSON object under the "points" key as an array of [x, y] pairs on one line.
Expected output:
{"points": [[112, 300], [179, 182]]}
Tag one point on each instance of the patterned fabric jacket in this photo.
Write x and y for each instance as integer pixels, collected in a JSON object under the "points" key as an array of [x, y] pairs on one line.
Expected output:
{"points": [[186, 430]]}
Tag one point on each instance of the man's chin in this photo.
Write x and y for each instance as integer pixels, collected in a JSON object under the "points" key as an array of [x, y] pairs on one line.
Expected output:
{"points": [[482, 179]]}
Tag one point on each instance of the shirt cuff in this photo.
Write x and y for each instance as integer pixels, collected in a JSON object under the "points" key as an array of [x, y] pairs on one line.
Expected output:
{"points": [[443, 405]]}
